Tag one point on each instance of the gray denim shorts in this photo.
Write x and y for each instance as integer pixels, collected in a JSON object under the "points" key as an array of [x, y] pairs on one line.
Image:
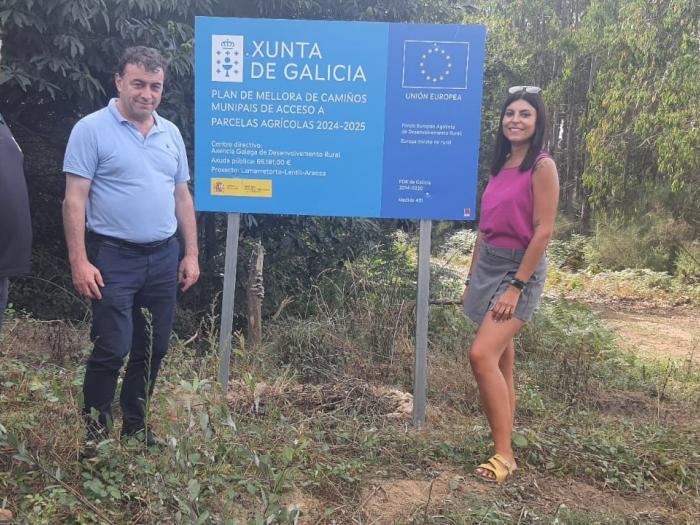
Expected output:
{"points": [[494, 269]]}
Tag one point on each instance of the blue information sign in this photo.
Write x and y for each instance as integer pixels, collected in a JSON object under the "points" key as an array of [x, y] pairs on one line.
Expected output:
{"points": [[354, 119]]}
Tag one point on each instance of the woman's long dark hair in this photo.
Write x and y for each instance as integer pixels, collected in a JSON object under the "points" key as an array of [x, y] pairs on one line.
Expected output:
{"points": [[502, 148]]}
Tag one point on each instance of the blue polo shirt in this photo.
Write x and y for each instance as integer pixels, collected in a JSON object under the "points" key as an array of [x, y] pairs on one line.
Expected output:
{"points": [[132, 195]]}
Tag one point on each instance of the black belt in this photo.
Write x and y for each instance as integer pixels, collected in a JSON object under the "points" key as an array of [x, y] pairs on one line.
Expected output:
{"points": [[121, 243]]}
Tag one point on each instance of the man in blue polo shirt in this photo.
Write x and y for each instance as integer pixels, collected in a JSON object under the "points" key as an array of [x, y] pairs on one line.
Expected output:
{"points": [[126, 195]]}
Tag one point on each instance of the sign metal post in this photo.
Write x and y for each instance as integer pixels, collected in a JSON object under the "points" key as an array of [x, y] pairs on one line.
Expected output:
{"points": [[230, 263], [422, 304]]}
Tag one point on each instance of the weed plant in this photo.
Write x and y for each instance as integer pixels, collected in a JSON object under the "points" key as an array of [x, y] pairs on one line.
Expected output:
{"points": [[641, 285], [306, 421], [459, 246]]}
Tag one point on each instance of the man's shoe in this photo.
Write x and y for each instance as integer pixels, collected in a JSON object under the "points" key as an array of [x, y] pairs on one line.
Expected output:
{"points": [[96, 433], [142, 435], [88, 451]]}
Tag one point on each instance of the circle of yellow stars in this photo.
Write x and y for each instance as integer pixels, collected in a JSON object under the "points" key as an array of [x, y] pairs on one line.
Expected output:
{"points": [[440, 54]]}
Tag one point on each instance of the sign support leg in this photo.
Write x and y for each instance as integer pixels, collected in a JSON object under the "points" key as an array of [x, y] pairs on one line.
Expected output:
{"points": [[230, 263], [422, 300]]}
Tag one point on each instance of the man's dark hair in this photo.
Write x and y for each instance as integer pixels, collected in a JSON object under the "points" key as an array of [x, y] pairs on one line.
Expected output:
{"points": [[502, 149], [147, 57]]}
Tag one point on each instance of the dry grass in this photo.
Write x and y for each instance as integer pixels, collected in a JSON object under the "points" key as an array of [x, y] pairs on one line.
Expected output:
{"points": [[609, 437]]}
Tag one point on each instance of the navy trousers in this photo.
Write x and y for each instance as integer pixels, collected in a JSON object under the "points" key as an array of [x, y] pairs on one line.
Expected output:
{"points": [[135, 318]]}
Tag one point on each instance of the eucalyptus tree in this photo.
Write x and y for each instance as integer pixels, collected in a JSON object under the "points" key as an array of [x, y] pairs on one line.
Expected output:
{"points": [[59, 58], [643, 128]]}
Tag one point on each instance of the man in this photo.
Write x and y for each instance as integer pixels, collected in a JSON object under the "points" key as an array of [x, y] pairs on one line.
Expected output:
{"points": [[15, 222], [126, 172]]}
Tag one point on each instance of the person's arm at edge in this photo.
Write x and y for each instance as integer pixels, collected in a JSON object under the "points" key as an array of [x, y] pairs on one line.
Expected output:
{"points": [[188, 272], [87, 279]]}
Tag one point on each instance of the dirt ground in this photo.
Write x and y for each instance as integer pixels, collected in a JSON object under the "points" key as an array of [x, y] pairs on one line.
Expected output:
{"points": [[655, 332], [652, 331], [392, 501]]}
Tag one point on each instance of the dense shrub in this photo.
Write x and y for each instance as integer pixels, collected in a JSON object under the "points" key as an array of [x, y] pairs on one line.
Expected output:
{"points": [[652, 242], [688, 263], [569, 253], [563, 350], [459, 244], [358, 315]]}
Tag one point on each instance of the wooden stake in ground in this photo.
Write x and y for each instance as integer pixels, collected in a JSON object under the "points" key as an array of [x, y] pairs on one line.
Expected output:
{"points": [[254, 295]]}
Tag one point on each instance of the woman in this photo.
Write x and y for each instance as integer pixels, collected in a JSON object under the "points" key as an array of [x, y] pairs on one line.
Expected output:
{"points": [[506, 277]]}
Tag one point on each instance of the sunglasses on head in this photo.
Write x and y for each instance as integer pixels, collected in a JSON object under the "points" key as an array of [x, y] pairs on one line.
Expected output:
{"points": [[527, 89]]}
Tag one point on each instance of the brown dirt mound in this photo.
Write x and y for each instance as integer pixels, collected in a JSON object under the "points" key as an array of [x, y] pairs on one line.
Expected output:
{"points": [[386, 502]]}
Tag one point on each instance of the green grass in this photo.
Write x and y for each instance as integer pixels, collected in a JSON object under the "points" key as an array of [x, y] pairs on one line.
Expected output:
{"points": [[613, 423]]}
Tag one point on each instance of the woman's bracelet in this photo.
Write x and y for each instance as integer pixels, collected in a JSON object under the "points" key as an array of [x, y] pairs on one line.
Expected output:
{"points": [[517, 283]]}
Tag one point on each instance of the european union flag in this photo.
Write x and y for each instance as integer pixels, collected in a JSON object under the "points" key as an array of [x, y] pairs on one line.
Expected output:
{"points": [[441, 65]]}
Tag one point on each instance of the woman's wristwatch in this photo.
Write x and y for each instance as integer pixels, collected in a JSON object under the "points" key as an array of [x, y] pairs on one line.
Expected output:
{"points": [[517, 283]]}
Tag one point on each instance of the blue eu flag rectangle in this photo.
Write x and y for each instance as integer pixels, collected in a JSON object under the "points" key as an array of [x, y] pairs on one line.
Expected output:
{"points": [[438, 65]]}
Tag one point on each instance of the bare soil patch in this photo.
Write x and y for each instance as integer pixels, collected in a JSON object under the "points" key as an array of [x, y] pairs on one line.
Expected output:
{"points": [[655, 332], [551, 493], [385, 502]]}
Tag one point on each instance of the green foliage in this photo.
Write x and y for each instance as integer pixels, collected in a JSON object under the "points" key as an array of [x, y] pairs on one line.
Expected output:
{"points": [[618, 79], [300, 250], [569, 253], [311, 348], [652, 242], [45, 88], [370, 10], [633, 148], [640, 128], [362, 311], [85, 41], [656, 242], [564, 350], [459, 245], [588, 415], [688, 263]]}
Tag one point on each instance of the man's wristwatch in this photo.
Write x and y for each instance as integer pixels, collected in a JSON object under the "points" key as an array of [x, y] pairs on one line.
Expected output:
{"points": [[520, 285]]}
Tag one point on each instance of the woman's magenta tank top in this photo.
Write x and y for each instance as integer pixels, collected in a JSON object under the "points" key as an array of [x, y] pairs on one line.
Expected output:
{"points": [[507, 207]]}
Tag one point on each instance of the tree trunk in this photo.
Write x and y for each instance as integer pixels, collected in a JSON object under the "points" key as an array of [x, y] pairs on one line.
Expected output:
{"points": [[254, 295]]}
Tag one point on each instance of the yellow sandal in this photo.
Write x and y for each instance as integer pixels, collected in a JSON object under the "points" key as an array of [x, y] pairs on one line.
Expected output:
{"points": [[502, 470]]}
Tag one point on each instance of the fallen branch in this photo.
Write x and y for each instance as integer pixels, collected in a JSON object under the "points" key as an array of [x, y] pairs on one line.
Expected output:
{"points": [[438, 302]]}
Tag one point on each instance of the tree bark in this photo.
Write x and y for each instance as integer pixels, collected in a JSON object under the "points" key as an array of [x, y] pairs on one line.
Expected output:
{"points": [[254, 295]]}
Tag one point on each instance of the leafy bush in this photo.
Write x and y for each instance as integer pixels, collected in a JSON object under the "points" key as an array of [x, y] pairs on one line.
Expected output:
{"points": [[313, 348], [566, 225], [359, 314], [459, 245], [617, 247], [653, 242], [561, 350], [688, 263], [569, 253]]}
